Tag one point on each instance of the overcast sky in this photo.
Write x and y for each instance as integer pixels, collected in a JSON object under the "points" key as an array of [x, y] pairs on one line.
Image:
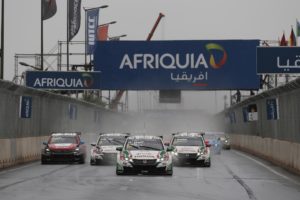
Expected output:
{"points": [[185, 20]]}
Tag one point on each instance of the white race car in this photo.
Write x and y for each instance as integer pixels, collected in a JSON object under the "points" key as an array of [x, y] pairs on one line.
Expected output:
{"points": [[191, 148], [104, 151], [144, 154]]}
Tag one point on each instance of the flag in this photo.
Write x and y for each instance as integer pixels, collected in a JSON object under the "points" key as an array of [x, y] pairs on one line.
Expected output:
{"points": [[49, 8], [298, 28], [283, 41], [102, 32], [74, 17], [293, 40], [91, 25]]}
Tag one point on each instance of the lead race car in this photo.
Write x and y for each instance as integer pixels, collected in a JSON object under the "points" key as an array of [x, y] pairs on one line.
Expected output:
{"points": [[142, 154], [191, 148]]}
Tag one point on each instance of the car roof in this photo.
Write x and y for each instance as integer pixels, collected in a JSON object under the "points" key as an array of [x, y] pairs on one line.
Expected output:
{"points": [[188, 134], [115, 134], [64, 134], [145, 137]]}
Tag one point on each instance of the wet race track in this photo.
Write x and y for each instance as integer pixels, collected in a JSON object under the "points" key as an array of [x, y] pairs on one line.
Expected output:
{"points": [[233, 175]]}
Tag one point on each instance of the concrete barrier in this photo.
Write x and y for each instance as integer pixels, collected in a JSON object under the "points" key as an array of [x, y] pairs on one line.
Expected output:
{"points": [[21, 138], [283, 153]]}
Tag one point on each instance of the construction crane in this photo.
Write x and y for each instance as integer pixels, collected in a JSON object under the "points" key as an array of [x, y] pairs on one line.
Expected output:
{"points": [[114, 103]]}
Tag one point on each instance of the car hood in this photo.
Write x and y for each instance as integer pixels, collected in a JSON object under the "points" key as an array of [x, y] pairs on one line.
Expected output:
{"points": [[63, 146], [187, 149], [144, 154]]}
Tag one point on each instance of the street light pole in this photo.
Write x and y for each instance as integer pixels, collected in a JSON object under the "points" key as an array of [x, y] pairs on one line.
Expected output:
{"points": [[2, 41]]}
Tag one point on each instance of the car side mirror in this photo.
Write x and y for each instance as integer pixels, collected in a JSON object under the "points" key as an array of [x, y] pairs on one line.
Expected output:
{"points": [[170, 148], [45, 143], [119, 148]]}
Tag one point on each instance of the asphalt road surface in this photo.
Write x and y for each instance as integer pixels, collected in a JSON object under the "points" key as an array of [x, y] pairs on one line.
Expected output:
{"points": [[233, 175]]}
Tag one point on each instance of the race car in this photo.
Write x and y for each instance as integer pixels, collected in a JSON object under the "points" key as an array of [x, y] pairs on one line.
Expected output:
{"points": [[225, 141], [144, 154], [63, 147], [190, 148], [104, 151]]}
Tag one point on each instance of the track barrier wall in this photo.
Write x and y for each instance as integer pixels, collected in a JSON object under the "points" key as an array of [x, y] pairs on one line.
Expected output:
{"points": [[276, 139], [21, 138]]}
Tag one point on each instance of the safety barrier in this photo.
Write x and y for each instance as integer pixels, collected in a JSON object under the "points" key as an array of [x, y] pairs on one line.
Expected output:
{"points": [[23, 126], [272, 129]]}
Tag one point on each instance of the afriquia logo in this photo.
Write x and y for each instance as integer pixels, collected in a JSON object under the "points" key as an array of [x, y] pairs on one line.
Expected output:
{"points": [[215, 47], [87, 80], [217, 58]]}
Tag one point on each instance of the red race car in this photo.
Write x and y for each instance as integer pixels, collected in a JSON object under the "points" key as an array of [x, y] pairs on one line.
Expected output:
{"points": [[64, 147]]}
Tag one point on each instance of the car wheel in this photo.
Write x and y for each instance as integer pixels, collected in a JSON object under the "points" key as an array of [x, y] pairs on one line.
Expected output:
{"points": [[92, 162], [120, 172], [82, 160], [43, 162], [169, 172], [207, 164]]}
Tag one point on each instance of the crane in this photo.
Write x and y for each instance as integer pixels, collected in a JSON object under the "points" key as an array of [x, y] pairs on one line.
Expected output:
{"points": [[115, 101]]}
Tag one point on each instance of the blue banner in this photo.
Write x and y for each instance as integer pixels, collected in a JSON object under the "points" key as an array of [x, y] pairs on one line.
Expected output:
{"points": [[25, 108], [91, 24], [63, 80], [72, 111], [184, 65], [278, 60], [245, 114], [272, 109]]}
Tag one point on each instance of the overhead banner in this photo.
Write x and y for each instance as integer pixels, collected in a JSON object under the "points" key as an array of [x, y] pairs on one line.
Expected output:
{"points": [[63, 80], [184, 65], [278, 60], [91, 24]]}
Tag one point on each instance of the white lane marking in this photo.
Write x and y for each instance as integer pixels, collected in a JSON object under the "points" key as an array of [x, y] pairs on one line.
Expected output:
{"points": [[268, 168]]}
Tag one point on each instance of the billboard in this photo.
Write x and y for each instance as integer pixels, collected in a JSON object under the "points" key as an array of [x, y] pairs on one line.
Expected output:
{"points": [[278, 60], [177, 65], [62, 80]]}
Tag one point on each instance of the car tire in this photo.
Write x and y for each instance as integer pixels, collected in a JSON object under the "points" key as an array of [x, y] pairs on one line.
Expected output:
{"points": [[119, 173], [169, 172], [207, 164], [82, 160], [92, 162], [44, 162]]}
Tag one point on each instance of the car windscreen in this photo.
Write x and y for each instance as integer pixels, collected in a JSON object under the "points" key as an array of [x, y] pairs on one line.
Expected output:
{"points": [[63, 140], [187, 141], [144, 144], [111, 141]]}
